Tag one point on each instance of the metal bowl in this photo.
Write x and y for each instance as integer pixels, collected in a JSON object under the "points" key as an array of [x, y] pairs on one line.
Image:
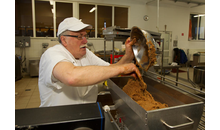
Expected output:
{"points": [[140, 47]]}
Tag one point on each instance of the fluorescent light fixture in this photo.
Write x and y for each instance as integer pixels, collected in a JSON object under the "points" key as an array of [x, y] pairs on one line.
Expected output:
{"points": [[92, 9], [199, 15], [51, 2]]}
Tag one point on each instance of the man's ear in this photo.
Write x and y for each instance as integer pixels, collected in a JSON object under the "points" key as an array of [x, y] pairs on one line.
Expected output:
{"points": [[63, 41]]}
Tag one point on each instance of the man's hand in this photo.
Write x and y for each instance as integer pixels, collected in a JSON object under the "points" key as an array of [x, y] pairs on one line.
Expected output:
{"points": [[130, 69], [129, 55], [128, 48]]}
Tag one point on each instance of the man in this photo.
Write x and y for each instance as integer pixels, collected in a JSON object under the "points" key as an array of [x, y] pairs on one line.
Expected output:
{"points": [[68, 71]]}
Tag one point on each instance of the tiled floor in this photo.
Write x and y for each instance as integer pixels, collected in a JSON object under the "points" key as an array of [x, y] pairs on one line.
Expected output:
{"points": [[27, 93]]}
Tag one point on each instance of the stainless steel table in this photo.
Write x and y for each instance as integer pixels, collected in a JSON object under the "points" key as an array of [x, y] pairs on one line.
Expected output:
{"points": [[169, 67]]}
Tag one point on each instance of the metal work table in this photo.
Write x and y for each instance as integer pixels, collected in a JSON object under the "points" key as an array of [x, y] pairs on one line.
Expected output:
{"points": [[168, 67]]}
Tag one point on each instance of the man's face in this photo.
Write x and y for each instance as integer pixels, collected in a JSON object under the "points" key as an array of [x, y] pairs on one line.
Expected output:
{"points": [[77, 47]]}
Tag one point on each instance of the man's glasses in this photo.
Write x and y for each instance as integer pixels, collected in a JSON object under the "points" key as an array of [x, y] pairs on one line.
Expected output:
{"points": [[78, 37]]}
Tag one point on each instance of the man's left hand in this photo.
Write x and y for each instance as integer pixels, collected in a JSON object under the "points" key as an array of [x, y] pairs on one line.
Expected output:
{"points": [[128, 49], [129, 55]]}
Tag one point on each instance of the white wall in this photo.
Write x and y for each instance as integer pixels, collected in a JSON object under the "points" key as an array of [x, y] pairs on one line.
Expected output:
{"points": [[177, 20]]}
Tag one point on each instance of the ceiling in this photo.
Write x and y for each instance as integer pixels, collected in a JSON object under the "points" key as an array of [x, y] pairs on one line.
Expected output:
{"points": [[190, 3], [199, 2]]}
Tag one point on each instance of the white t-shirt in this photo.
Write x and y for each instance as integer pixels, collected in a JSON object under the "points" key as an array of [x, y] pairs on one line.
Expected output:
{"points": [[52, 91]]}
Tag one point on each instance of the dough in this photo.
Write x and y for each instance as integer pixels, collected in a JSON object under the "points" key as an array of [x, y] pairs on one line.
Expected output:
{"points": [[136, 90], [151, 55]]}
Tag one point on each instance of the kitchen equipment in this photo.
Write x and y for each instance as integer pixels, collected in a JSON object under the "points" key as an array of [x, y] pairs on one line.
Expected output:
{"points": [[184, 112], [143, 52], [115, 33], [34, 66], [45, 46], [198, 76], [18, 74], [23, 42], [68, 117], [116, 58], [123, 33]]}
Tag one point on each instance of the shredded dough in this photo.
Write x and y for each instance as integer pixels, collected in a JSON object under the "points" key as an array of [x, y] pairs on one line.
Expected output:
{"points": [[136, 90]]}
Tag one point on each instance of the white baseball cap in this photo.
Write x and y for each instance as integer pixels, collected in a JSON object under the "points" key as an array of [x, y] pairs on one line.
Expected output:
{"points": [[72, 24]]}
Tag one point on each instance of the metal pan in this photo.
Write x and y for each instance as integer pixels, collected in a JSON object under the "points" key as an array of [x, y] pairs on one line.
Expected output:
{"points": [[183, 112]]}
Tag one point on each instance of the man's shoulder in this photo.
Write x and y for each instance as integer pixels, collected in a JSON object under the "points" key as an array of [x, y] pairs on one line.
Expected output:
{"points": [[55, 47], [53, 51]]}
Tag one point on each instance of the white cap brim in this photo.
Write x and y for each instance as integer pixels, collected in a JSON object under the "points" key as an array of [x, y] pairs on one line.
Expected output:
{"points": [[72, 24], [80, 27]]}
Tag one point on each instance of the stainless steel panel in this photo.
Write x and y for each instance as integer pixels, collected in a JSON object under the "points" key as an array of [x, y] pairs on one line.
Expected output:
{"points": [[122, 96], [34, 66], [176, 116], [116, 31], [199, 75], [135, 117]]}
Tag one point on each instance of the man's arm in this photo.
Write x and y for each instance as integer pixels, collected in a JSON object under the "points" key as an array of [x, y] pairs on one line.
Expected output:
{"points": [[72, 75]]}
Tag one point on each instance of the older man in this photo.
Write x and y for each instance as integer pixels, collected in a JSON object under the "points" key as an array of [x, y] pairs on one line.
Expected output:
{"points": [[69, 72]]}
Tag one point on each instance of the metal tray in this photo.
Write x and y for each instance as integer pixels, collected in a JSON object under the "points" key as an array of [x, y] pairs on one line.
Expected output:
{"points": [[184, 112]]}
